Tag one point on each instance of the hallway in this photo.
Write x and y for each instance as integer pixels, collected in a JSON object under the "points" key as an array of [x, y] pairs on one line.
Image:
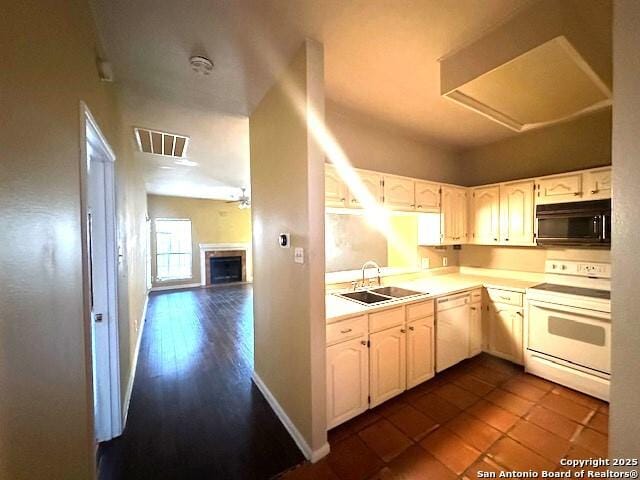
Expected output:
{"points": [[195, 412]]}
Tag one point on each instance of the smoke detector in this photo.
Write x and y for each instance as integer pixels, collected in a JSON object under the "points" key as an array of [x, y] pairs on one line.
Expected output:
{"points": [[201, 65]]}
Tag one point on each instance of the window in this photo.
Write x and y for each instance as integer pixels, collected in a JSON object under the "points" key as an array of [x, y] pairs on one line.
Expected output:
{"points": [[173, 249]]}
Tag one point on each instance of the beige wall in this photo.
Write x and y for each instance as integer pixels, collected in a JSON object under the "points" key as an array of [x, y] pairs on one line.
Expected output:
{"points": [[525, 259], [625, 385], [48, 66], [289, 297], [581, 143], [212, 221], [380, 147]]}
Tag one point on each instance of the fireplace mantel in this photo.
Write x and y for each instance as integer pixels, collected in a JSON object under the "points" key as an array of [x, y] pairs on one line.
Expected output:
{"points": [[219, 247]]}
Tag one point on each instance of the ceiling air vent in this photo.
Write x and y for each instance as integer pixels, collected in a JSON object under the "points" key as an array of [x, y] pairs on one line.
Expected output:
{"points": [[161, 143]]}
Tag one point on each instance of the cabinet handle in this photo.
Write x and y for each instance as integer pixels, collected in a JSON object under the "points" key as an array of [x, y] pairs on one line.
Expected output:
{"points": [[595, 191], [353, 200], [473, 308], [343, 199], [520, 313], [419, 206], [402, 330], [505, 298], [363, 342], [506, 239], [412, 328], [577, 193], [412, 205], [346, 331]]}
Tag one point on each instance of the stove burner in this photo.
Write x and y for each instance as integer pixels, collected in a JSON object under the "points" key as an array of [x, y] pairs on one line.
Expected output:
{"points": [[583, 292]]}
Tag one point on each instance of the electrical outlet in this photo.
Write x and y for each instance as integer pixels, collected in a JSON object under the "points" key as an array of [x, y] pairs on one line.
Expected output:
{"points": [[425, 263], [445, 261]]}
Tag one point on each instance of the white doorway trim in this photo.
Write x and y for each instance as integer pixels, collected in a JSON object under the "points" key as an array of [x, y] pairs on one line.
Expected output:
{"points": [[103, 371]]}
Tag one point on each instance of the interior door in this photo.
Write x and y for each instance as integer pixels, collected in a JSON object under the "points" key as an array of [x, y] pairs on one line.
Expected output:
{"points": [[387, 364]]}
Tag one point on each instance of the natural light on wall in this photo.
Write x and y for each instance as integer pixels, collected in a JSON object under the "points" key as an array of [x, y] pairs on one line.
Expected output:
{"points": [[173, 249]]}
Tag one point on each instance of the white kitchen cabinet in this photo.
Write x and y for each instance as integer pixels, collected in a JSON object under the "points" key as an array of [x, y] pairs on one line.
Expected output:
{"points": [[516, 213], [347, 380], [475, 329], [336, 193], [505, 331], [559, 188], [372, 182], [399, 193], [420, 351], [387, 364], [427, 197], [454, 215], [485, 215], [597, 184]]}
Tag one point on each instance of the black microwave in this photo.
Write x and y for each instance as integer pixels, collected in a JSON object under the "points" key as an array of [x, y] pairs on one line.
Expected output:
{"points": [[577, 223]]}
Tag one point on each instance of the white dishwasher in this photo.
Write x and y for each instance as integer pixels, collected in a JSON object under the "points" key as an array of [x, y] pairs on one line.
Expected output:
{"points": [[452, 330]]}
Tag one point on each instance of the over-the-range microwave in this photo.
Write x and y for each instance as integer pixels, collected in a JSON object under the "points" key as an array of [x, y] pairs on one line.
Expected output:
{"points": [[585, 223]]}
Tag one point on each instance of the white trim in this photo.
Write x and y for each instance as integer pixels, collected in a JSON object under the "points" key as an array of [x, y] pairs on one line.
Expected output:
{"points": [[134, 364], [207, 247], [178, 286], [96, 140], [312, 455]]}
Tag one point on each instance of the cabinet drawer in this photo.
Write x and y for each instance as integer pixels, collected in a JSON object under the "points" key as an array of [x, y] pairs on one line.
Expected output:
{"points": [[505, 296], [476, 295], [419, 310], [386, 319], [347, 329]]}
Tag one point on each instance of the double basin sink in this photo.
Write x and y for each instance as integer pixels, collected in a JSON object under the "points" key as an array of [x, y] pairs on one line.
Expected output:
{"points": [[379, 295]]}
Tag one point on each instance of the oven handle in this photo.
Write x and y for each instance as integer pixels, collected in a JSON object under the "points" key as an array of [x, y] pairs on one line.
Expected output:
{"points": [[604, 227], [585, 312]]}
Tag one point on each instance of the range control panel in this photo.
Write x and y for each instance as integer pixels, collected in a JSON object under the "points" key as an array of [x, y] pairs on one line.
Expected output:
{"points": [[583, 269]]}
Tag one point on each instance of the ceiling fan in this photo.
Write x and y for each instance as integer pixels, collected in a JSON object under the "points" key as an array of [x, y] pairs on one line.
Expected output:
{"points": [[243, 200]]}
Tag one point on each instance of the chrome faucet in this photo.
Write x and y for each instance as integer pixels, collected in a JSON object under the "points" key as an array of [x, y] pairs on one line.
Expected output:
{"points": [[370, 263]]}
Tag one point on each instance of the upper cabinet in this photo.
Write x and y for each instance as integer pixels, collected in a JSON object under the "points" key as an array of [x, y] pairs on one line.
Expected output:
{"points": [[336, 193], [427, 196], [372, 182], [597, 183], [454, 215], [559, 188], [516, 213], [399, 193], [485, 215]]}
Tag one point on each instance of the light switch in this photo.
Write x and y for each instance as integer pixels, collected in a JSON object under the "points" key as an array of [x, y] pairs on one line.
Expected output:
{"points": [[298, 255]]}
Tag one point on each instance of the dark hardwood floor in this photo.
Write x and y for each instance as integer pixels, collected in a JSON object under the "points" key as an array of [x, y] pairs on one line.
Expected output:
{"points": [[195, 413]]}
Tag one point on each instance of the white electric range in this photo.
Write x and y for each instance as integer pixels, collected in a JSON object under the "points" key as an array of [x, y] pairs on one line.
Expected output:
{"points": [[568, 326]]}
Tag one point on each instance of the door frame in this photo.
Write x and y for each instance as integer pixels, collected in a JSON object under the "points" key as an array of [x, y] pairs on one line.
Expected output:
{"points": [[90, 134]]}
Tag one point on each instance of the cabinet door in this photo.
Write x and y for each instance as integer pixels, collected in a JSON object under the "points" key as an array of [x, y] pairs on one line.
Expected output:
{"points": [[427, 197], [516, 213], [335, 190], [420, 351], [475, 329], [454, 215], [597, 184], [485, 215], [387, 364], [347, 381], [505, 332], [372, 182], [399, 193], [559, 189]]}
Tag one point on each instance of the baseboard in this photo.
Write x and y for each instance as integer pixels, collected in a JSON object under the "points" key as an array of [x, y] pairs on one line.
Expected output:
{"points": [[175, 287], [311, 455], [134, 364]]}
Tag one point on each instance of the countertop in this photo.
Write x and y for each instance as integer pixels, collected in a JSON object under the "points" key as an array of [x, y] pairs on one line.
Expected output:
{"points": [[338, 308]]}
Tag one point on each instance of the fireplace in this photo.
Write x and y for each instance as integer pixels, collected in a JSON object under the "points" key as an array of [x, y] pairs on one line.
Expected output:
{"points": [[223, 266], [225, 269]]}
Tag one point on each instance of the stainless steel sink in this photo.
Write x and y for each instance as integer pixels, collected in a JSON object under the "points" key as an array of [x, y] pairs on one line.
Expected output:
{"points": [[365, 297], [395, 292]]}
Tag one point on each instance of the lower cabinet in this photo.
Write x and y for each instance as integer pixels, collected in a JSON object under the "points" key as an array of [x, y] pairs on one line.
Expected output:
{"points": [[505, 331], [475, 329], [347, 380], [387, 364], [420, 351]]}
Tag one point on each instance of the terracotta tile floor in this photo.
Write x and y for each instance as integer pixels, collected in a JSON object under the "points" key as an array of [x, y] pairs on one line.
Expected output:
{"points": [[483, 414]]}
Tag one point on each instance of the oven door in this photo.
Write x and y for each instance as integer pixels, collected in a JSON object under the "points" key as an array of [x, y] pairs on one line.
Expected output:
{"points": [[576, 335]]}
